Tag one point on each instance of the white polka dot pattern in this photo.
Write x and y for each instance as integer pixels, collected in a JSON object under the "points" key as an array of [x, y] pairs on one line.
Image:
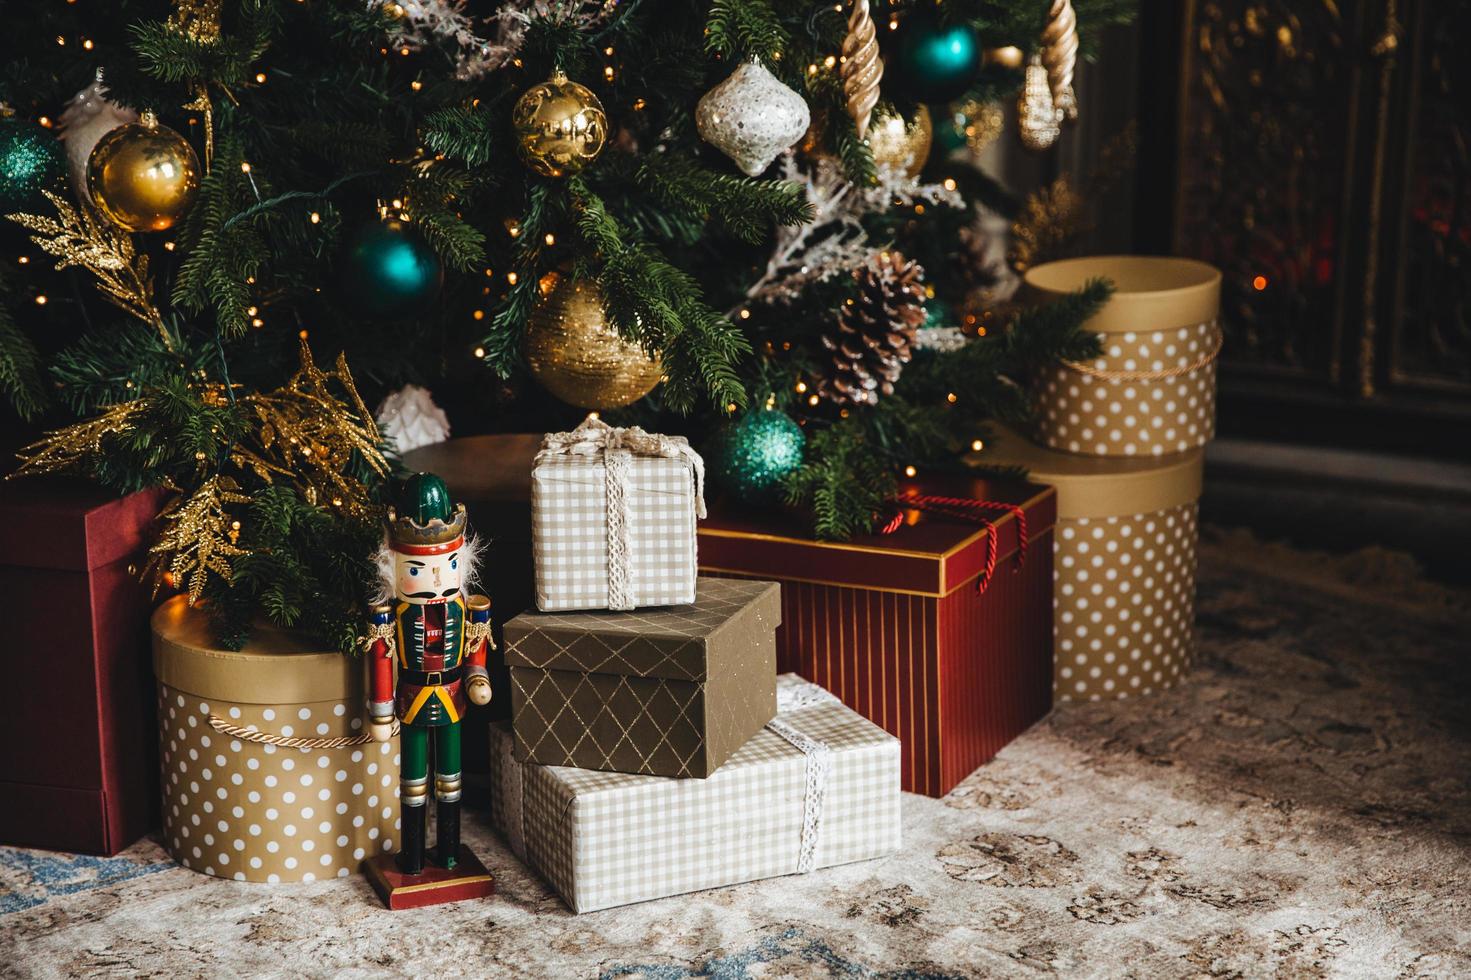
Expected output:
{"points": [[1098, 416], [1124, 603], [237, 809]]}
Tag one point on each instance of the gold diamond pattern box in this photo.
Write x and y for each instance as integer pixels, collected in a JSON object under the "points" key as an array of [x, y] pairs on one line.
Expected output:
{"points": [[267, 774], [669, 692], [817, 787]]}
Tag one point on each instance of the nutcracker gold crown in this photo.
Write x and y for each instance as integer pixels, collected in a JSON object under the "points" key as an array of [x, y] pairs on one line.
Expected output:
{"points": [[405, 534]]}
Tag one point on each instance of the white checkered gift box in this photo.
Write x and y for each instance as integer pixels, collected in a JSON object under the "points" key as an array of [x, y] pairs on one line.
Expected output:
{"points": [[613, 519], [604, 839]]}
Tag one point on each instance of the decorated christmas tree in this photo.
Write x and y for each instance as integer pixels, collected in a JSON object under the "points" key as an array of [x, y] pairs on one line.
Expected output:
{"points": [[739, 220]]}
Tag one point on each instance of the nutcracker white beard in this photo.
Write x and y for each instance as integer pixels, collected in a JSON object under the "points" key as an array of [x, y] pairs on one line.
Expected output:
{"points": [[396, 583]]}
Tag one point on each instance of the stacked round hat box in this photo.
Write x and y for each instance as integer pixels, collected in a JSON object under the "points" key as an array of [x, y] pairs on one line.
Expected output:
{"points": [[1121, 439], [268, 774]]}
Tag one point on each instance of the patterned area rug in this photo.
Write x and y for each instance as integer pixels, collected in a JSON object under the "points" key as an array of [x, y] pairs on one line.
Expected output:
{"points": [[1299, 807]]}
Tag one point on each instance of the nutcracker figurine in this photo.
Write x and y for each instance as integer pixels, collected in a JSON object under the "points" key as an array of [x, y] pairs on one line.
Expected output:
{"points": [[438, 638]]}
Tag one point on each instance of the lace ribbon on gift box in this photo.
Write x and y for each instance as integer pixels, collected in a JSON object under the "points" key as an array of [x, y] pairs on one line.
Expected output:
{"points": [[791, 697], [617, 447], [817, 755]]}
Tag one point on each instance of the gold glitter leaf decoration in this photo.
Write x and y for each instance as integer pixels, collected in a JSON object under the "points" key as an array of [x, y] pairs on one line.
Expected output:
{"points": [[1048, 219], [198, 538], [77, 238], [307, 435], [1056, 214], [68, 449]]}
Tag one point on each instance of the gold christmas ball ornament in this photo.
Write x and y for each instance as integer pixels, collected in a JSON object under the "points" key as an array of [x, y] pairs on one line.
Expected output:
{"points": [[560, 127], [143, 176], [902, 144], [577, 355], [1009, 56]]}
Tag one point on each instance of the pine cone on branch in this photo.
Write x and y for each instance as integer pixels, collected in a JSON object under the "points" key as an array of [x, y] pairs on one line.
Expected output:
{"points": [[876, 331]]}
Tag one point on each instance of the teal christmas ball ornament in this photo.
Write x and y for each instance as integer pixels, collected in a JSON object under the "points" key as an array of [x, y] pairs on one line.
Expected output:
{"points": [[31, 161], [387, 271], [930, 61], [753, 455]]}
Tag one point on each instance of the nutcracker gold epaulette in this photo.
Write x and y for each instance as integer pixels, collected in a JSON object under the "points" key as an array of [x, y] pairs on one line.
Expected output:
{"points": [[404, 531]]}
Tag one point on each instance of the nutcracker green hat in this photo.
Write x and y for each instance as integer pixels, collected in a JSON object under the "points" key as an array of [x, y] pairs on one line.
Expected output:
{"points": [[425, 522]]}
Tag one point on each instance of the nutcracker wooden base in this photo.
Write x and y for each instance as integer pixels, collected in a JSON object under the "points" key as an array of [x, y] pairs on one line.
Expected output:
{"points": [[435, 886]]}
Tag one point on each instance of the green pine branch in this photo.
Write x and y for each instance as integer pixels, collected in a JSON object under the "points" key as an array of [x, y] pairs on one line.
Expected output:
{"points": [[660, 307], [502, 344], [747, 207], [307, 568], [740, 29], [474, 135], [220, 254], [172, 56], [20, 362], [843, 481]]}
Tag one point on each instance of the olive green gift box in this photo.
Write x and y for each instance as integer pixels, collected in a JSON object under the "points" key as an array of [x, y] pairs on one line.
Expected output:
{"points": [[673, 691]]}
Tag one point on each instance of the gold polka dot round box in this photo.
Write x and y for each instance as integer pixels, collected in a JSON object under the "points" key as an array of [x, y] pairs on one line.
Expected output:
{"points": [[1152, 390], [267, 773], [1123, 566]]}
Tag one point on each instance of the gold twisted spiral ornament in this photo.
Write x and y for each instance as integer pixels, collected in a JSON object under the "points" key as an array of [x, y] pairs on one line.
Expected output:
{"points": [[1060, 55], [862, 67]]}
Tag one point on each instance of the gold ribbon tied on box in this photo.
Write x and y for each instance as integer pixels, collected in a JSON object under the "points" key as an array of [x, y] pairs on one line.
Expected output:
{"points": [[286, 741], [617, 447], [1207, 357]]}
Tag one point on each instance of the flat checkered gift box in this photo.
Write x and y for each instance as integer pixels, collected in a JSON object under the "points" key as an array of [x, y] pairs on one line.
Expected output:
{"points": [[818, 787], [613, 519]]}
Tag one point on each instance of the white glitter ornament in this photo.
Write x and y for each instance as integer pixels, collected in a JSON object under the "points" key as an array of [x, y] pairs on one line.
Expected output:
{"points": [[88, 117], [752, 117], [410, 419]]}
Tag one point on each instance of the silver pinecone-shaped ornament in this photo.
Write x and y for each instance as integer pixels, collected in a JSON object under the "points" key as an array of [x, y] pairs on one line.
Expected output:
{"points": [[752, 117]]}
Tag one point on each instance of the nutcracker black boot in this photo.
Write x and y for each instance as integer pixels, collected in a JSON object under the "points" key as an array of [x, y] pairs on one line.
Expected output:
{"points": [[415, 823], [447, 837]]}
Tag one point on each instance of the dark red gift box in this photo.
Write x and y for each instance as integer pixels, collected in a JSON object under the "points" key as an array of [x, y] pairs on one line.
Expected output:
{"points": [[78, 771], [896, 626]]}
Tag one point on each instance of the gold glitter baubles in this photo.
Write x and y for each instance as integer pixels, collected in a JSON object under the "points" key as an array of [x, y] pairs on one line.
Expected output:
{"points": [[1008, 56], [577, 355], [560, 127], [143, 176], [902, 144]]}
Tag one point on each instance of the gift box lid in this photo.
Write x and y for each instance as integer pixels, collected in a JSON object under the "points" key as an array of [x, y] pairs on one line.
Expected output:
{"points": [[276, 666], [675, 642], [482, 469], [834, 725], [61, 523], [929, 554], [1100, 486], [1150, 292]]}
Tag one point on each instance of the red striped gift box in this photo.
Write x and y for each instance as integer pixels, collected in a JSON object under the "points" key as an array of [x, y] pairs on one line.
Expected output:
{"points": [[907, 627]]}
